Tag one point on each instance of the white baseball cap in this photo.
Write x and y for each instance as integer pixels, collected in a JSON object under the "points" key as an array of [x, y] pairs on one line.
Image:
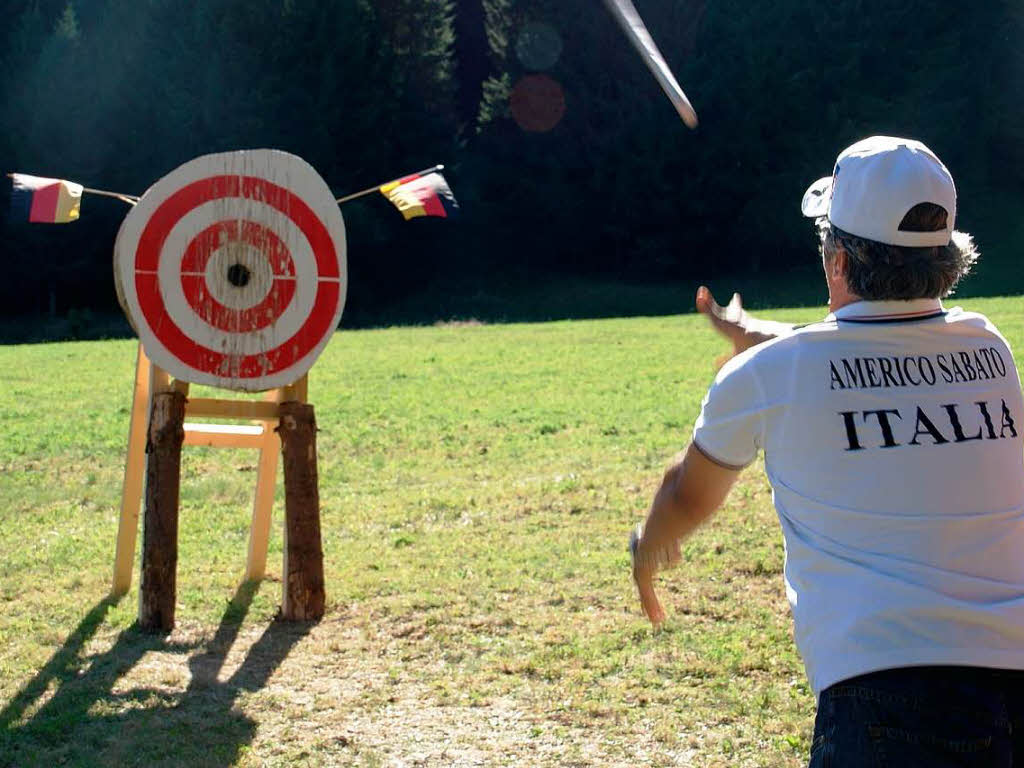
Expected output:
{"points": [[875, 183]]}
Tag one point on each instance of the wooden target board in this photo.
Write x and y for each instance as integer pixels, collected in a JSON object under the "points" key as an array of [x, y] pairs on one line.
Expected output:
{"points": [[232, 269]]}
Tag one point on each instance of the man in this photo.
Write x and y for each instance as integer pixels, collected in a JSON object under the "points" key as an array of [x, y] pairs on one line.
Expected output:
{"points": [[891, 433]]}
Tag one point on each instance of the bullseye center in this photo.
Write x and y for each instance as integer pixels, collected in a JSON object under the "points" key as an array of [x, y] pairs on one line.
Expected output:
{"points": [[239, 275]]}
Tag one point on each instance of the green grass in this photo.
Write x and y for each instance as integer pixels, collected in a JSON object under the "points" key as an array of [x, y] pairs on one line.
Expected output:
{"points": [[476, 483]]}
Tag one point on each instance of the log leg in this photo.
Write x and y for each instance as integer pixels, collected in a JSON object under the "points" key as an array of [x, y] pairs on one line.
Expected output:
{"points": [[303, 598], [160, 521]]}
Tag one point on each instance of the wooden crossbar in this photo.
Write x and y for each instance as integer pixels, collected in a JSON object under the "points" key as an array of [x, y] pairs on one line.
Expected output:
{"points": [[225, 435], [259, 434], [232, 409]]}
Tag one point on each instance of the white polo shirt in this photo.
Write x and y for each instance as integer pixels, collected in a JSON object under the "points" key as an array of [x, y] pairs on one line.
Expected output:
{"points": [[892, 435]]}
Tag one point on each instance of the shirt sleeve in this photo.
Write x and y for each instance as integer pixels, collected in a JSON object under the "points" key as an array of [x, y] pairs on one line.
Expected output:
{"points": [[730, 428]]}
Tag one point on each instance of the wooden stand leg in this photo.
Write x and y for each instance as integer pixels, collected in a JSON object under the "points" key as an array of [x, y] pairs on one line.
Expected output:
{"points": [[160, 521], [134, 469], [266, 482], [303, 598]]}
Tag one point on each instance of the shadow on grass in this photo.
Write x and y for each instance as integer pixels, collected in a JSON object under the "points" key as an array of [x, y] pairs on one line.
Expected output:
{"points": [[73, 712]]}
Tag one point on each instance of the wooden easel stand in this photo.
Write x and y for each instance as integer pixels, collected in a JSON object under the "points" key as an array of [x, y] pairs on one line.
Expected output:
{"points": [[160, 521], [154, 453], [303, 553]]}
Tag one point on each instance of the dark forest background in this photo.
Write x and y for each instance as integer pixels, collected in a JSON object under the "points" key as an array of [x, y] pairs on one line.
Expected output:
{"points": [[574, 174]]}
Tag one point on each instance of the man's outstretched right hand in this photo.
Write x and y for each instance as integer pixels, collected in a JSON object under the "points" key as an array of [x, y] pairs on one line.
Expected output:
{"points": [[741, 329]]}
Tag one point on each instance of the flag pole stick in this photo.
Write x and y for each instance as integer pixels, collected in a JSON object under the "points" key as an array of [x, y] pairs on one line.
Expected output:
{"points": [[130, 199], [374, 188]]}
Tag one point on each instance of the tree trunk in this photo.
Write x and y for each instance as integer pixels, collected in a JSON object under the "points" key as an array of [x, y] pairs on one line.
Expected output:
{"points": [[303, 556], [160, 522]]}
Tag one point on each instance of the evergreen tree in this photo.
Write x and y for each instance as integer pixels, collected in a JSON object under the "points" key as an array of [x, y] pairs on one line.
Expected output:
{"points": [[116, 93]]}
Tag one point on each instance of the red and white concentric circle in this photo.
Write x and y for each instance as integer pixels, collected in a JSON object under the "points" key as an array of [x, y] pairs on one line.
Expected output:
{"points": [[232, 269]]}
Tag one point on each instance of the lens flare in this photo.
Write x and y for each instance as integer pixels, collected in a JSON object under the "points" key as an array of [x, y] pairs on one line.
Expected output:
{"points": [[537, 103], [538, 46]]}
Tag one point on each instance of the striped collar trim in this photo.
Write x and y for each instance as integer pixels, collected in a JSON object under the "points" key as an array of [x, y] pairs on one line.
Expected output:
{"points": [[888, 311]]}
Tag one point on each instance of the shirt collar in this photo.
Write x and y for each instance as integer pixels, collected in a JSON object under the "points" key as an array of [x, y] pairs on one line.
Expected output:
{"points": [[888, 311]]}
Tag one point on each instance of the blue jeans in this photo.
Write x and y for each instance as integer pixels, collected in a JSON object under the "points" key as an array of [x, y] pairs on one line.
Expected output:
{"points": [[934, 717]]}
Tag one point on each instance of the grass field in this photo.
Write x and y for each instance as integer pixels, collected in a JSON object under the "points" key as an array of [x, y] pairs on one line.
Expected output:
{"points": [[477, 484]]}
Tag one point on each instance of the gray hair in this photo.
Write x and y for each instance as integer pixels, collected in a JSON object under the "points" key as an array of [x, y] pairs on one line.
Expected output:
{"points": [[880, 272]]}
